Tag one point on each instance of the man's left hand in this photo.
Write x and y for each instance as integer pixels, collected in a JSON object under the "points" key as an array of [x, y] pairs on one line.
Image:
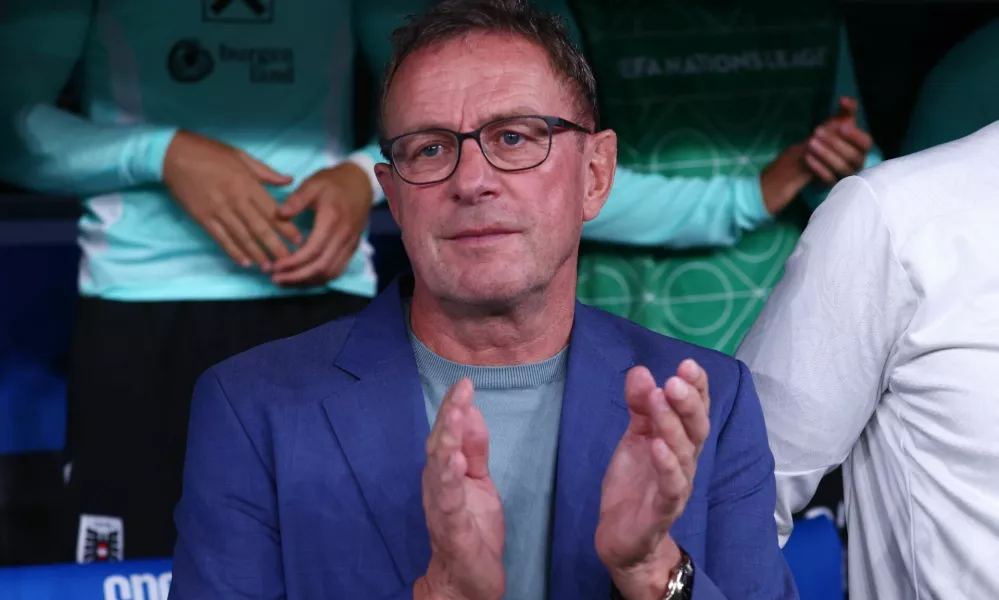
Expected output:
{"points": [[340, 197], [650, 478]]}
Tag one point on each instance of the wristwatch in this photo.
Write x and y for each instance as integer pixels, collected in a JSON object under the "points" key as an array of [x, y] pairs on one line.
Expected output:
{"points": [[681, 581]]}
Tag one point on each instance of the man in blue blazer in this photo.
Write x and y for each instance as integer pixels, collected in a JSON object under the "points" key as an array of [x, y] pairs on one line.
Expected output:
{"points": [[475, 434]]}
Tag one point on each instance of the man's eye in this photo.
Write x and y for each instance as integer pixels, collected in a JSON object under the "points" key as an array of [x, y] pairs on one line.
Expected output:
{"points": [[511, 138], [430, 151]]}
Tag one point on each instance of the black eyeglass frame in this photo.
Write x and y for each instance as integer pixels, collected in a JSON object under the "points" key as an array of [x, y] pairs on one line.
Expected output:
{"points": [[552, 122]]}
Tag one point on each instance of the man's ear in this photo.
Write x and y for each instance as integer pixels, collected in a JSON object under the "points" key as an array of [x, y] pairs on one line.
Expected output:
{"points": [[384, 173], [599, 172]]}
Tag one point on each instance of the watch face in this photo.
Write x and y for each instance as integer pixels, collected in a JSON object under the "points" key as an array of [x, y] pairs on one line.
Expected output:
{"points": [[684, 580]]}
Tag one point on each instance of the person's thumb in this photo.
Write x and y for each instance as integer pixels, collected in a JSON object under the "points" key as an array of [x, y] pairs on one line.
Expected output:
{"points": [[297, 201], [847, 107], [263, 172]]}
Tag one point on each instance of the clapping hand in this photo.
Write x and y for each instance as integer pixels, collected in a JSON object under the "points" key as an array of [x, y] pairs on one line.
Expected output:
{"points": [[462, 506], [650, 478]]}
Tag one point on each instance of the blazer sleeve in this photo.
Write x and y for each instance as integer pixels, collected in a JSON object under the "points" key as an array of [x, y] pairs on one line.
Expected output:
{"points": [[743, 558], [228, 542]]}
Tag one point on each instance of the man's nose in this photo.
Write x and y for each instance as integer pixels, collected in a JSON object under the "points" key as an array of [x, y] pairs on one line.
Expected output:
{"points": [[474, 178]]}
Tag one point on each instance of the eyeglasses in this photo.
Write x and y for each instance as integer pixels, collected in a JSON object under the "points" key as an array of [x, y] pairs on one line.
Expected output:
{"points": [[509, 144]]}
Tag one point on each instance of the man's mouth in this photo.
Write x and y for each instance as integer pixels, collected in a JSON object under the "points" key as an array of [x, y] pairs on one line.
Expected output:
{"points": [[480, 234]]}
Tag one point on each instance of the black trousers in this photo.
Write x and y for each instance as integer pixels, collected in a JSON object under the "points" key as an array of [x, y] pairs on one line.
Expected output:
{"points": [[132, 372]]}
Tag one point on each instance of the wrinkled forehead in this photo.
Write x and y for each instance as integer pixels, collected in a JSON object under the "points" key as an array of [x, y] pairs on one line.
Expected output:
{"points": [[464, 82]]}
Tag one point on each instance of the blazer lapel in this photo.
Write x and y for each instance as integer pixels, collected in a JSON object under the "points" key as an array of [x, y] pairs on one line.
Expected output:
{"points": [[381, 424], [594, 417]]}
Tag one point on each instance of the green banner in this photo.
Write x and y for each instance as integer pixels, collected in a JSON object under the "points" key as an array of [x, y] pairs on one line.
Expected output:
{"points": [[704, 89]]}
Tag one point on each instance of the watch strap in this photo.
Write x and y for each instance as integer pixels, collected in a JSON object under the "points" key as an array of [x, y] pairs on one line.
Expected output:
{"points": [[680, 585]]}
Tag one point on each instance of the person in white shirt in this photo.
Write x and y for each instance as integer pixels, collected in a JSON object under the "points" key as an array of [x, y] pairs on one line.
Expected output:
{"points": [[879, 350]]}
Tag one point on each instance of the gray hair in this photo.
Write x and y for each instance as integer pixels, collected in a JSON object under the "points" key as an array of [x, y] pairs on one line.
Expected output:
{"points": [[451, 19]]}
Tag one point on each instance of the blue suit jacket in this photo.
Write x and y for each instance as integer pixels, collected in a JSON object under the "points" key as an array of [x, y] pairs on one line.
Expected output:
{"points": [[305, 456]]}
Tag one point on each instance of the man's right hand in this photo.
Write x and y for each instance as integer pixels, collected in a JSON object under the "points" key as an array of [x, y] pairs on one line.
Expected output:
{"points": [[463, 509], [222, 188]]}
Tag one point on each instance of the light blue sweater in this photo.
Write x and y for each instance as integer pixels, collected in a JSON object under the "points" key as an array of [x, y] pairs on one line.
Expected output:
{"points": [[521, 405]]}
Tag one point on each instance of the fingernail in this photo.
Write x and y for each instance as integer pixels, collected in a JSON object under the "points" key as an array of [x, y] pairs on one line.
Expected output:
{"points": [[692, 368], [680, 388], [246, 264]]}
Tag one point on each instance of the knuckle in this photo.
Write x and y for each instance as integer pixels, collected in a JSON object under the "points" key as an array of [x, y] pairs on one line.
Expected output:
{"points": [[688, 489], [441, 453], [686, 460], [219, 205]]}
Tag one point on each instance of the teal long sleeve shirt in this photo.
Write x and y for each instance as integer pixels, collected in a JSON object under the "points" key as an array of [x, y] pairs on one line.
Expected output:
{"points": [[48, 149], [277, 85], [114, 155]]}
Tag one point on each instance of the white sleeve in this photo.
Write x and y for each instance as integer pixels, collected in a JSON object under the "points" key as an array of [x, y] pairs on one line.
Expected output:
{"points": [[366, 158], [819, 349]]}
